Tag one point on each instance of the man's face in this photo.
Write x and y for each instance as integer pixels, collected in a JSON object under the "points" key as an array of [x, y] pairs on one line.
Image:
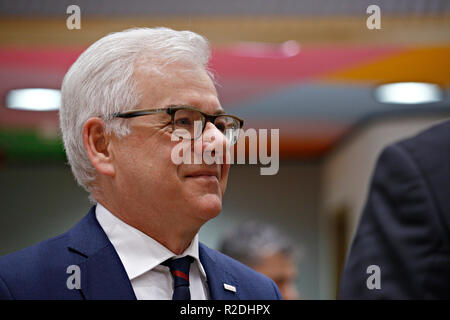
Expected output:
{"points": [[145, 173], [282, 270]]}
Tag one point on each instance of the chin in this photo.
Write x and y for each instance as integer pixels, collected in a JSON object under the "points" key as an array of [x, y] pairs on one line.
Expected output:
{"points": [[208, 207]]}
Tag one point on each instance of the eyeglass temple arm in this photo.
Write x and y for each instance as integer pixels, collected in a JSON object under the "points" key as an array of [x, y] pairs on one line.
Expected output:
{"points": [[137, 113]]}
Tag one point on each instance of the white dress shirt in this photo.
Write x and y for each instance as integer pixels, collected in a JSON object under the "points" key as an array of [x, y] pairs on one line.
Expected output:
{"points": [[142, 257]]}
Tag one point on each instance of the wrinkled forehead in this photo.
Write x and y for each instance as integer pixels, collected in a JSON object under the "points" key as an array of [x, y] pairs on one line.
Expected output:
{"points": [[175, 83], [169, 69]]}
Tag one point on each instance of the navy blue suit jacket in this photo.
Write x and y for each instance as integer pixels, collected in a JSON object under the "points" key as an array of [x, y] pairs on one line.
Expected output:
{"points": [[39, 272], [405, 226]]}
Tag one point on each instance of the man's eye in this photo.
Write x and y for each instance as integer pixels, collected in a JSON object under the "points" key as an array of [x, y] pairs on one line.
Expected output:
{"points": [[183, 122], [220, 126]]}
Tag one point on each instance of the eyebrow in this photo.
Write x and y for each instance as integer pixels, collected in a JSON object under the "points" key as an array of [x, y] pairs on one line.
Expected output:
{"points": [[220, 111], [217, 112]]}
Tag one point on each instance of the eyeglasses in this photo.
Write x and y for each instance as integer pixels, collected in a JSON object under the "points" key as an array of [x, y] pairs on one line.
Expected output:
{"points": [[189, 123]]}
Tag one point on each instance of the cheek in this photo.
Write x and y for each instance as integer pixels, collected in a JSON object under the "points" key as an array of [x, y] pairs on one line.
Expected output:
{"points": [[224, 177], [148, 162], [163, 170]]}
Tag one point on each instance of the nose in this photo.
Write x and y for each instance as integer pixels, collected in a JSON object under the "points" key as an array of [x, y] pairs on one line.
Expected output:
{"points": [[214, 143]]}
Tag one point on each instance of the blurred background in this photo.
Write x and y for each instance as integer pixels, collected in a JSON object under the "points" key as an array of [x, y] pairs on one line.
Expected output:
{"points": [[311, 68]]}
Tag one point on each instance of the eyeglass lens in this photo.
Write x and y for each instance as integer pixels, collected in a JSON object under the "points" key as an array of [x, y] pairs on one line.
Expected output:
{"points": [[189, 124]]}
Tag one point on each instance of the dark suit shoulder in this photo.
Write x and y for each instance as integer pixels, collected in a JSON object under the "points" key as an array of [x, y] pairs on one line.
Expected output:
{"points": [[402, 229], [27, 273], [29, 258], [436, 135], [430, 151]]}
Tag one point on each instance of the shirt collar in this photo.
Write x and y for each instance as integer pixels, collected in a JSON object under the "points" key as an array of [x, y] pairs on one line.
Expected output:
{"points": [[138, 252]]}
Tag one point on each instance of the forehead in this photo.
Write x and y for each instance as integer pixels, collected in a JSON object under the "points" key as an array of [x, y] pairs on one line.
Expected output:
{"points": [[176, 84], [278, 263]]}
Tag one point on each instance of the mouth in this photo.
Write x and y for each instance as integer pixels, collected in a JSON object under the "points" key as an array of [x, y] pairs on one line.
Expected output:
{"points": [[204, 175]]}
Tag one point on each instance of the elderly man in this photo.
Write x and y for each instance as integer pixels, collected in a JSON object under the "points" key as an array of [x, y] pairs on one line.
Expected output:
{"points": [[127, 102]]}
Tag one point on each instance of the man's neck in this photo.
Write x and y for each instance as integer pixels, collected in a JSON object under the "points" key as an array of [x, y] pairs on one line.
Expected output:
{"points": [[173, 235]]}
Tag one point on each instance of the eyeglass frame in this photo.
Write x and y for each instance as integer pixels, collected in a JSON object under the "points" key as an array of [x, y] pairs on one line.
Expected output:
{"points": [[171, 110]]}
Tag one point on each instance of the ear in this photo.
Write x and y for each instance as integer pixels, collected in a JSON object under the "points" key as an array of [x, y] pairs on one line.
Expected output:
{"points": [[98, 146]]}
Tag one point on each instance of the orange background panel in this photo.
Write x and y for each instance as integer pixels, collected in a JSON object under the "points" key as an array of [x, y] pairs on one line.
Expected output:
{"points": [[431, 64]]}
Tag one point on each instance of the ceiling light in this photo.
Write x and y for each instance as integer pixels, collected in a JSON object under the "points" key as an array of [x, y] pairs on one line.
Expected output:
{"points": [[34, 99], [408, 93]]}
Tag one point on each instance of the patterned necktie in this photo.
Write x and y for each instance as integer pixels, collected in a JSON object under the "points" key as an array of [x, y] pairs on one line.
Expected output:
{"points": [[179, 268]]}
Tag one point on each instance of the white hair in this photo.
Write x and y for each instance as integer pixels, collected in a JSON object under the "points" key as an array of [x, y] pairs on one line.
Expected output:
{"points": [[101, 83]]}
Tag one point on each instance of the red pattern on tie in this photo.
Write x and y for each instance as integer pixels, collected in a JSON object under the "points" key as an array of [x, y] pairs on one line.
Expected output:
{"points": [[180, 274]]}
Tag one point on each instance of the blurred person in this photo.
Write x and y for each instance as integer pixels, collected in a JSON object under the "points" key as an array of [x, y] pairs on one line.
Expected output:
{"points": [[402, 245], [266, 250], [123, 101]]}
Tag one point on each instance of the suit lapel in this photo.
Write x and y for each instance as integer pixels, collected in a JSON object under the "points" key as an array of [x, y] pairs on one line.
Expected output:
{"points": [[220, 282], [102, 273]]}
